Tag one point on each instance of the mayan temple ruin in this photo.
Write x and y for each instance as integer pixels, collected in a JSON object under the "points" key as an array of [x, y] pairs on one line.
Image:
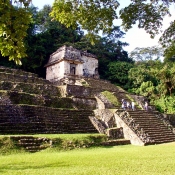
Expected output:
{"points": [[68, 63], [73, 99]]}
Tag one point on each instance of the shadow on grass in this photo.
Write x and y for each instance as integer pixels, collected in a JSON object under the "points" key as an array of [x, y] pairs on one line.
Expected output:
{"points": [[24, 166]]}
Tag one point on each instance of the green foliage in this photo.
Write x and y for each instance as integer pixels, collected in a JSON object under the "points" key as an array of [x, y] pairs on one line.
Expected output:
{"points": [[146, 89], [118, 73], [165, 104], [156, 81], [146, 54], [13, 26], [170, 52], [144, 71], [167, 41], [111, 97], [137, 75], [70, 13], [167, 78], [7, 146], [149, 16], [14, 21]]}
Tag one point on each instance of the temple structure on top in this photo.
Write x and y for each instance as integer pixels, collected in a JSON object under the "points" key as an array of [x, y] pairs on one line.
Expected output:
{"points": [[68, 62]]}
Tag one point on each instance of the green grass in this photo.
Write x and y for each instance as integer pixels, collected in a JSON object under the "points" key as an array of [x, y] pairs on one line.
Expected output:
{"points": [[118, 160], [77, 136], [59, 142], [111, 97]]}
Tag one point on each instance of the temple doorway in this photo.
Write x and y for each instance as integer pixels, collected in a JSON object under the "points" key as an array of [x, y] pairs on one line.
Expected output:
{"points": [[72, 69]]}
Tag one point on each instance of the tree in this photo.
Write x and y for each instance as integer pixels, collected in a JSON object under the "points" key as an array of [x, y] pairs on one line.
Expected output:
{"points": [[167, 79], [118, 73], [148, 14], [14, 23], [44, 38], [72, 12], [146, 89], [145, 71], [138, 74], [167, 41], [146, 54], [108, 49]]}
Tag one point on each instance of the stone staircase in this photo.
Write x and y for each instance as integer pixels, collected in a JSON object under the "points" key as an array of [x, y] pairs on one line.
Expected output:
{"points": [[31, 144], [29, 104], [25, 119], [152, 130], [146, 125], [116, 142]]}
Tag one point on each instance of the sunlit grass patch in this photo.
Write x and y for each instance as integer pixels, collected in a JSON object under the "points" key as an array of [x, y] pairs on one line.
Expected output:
{"points": [[111, 97], [119, 160]]}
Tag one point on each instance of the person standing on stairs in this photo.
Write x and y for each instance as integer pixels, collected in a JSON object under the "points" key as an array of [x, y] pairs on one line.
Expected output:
{"points": [[128, 105], [123, 104], [133, 105], [146, 106]]}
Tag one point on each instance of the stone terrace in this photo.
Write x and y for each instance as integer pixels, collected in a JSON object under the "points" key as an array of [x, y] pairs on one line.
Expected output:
{"points": [[29, 104]]}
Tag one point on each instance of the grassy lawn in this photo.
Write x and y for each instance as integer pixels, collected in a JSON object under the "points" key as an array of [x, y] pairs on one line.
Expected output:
{"points": [[118, 160]]}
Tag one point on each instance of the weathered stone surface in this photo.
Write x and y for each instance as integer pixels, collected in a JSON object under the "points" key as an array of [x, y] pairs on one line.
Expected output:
{"points": [[144, 127], [68, 61], [24, 119], [79, 91], [170, 118], [115, 133], [32, 144], [103, 102], [106, 116], [128, 133], [85, 103]]}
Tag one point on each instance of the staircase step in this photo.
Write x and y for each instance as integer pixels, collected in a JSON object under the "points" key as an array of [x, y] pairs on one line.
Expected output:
{"points": [[116, 142], [149, 124]]}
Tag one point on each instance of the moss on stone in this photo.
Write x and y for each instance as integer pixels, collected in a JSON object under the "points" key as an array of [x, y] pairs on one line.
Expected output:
{"points": [[110, 96]]}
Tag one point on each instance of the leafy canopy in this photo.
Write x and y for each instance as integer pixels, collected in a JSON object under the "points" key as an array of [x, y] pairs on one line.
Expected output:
{"points": [[91, 15], [146, 54], [98, 15], [13, 29]]}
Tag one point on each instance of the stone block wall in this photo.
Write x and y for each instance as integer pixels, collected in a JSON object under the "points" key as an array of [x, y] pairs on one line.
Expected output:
{"points": [[79, 91], [171, 118], [16, 97], [115, 133], [85, 103], [31, 88]]}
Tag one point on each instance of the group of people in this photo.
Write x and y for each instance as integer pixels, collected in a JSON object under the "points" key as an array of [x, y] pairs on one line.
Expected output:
{"points": [[128, 105]]}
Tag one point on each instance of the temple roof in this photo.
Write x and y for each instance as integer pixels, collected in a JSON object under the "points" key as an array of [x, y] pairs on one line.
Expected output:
{"points": [[68, 53]]}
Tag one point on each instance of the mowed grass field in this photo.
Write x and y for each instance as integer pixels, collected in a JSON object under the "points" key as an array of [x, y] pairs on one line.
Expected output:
{"points": [[117, 160]]}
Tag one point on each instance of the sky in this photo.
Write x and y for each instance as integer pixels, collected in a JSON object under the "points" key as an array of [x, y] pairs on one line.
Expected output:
{"points": [[135, 37]]}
